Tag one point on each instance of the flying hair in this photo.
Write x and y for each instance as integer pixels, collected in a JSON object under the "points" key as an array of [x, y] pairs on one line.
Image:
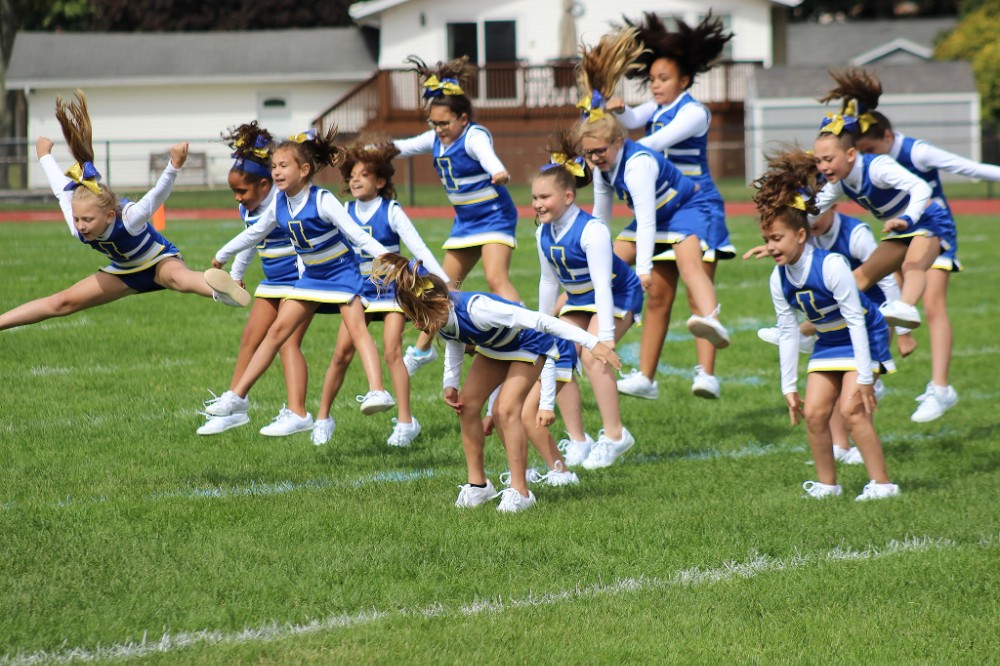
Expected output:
{"points": [[377, 157], [74, 119], [566, 165], [787, 189], [422, 296], [694, 49], [318, 150], [250, 143], [457, 70], [854, 83], [602, 66]]}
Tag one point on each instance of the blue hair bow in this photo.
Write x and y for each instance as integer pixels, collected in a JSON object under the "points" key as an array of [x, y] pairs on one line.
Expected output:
{"points": [[592, 106], [85, 174]]}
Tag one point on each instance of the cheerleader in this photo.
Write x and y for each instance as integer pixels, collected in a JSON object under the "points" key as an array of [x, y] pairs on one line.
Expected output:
{"points": [[142, 260], [677, 126], [367, 173], [510, 342], [320, 229], [852, 343], [473, 178], [670, 212]]}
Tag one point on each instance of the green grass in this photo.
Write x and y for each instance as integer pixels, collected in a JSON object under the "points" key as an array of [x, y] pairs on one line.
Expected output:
{"points": [[117, 522]]}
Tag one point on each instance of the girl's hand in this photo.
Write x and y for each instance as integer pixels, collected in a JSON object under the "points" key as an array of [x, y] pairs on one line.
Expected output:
{"points": [[906, 344], [867, 393], [501, 178], [894, 224], [605, 354], [544, 418], [795, 407], [43, 146], [487, 425], [758, 252], [645, 280], [615, 104], [451, 399], [217, 264], [807, 328], [179, 154]]}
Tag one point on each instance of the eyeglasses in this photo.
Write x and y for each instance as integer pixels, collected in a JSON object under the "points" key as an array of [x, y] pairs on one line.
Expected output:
{"points": [[596, 152], [440, 124]]}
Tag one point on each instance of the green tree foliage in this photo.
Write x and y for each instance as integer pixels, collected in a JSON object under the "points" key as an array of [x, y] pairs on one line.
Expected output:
{"points": [[977, 38], [197, 15]]}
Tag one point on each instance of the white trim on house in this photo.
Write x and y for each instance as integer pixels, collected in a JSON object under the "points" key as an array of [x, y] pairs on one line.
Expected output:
{"points": [[249, 79], [898, 44]]}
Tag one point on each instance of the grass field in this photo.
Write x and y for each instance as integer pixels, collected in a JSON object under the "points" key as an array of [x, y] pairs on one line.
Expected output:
{"points": [[123, 535]]}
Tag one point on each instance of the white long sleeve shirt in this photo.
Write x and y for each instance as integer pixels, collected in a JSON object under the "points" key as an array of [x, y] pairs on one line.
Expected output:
{"points": [[926, 157], [886, 173], [641, 172], [400, 222], [330, 211], [135, 214], [487, 313], [596, 243], [837, 277], [690, 121], [478, 145], [243, 259]]}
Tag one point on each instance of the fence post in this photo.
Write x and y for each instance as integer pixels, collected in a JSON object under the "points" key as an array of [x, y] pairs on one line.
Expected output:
{"points": [[411, 182], [107, 161]]}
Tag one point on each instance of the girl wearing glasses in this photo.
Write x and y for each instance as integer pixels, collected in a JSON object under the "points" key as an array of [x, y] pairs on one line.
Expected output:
{"points": [[473, 178]]}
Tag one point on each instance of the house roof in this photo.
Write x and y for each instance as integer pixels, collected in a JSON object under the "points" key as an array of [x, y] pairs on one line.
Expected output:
{"points": [[58, 60], [934, 77], [838, 44], [898, 44]]}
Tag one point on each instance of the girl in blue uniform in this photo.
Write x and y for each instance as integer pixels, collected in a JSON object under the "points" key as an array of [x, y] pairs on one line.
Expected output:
{"points": [[603, 293], [250, 181], [917, 229], [367, 172], [321, 231], [677, 125], [926, 161], [670, 212], [142, 260], [852, 345], [473, 178], [511, 343]]}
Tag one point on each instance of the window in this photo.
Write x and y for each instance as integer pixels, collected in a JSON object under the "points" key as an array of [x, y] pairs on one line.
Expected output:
{"points": [[463, 41]]}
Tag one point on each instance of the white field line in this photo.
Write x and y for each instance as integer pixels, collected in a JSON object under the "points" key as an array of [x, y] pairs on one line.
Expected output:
{"points": [[755, 564]]}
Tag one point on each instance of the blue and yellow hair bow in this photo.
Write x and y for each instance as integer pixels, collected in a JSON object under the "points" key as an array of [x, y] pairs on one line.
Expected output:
{"points": [[434, 87], [85, 174], [797, 202], [575, 165], [836, 123], [302, 137], [259, 147], [592, 106], [421, 278]]}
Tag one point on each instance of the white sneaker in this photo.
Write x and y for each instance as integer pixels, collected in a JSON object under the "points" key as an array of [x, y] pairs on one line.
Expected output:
{"points": [[607, 451], [227, 404], [934, 402], [851, 456], [898, 313], [839, 454], [879, 388], [512, 501], [705, 385], [531, 477], [638, 385], [287, 423], [818, 490], [323, 430], [560, 476], [414, 359], [403, 434], [709, 328], [575, 452], [470, 497], [771, 336], [873, 491], [216, 424], [374, 402], [225, 290]]}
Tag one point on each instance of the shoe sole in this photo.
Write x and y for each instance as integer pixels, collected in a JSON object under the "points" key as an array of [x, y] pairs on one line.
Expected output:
{"points": [[644, 396], [702, 330], [220, 281], [893, 320], [368, 410], [704, 393], [242, 421], [285, 434]]}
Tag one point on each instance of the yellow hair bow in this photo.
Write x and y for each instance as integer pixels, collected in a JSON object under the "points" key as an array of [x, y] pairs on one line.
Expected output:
{"points": [[569, 163], [798, 202], [591, 111], [85, 174], [262, 153], [422, 285], [433, 86], [302, 137]]}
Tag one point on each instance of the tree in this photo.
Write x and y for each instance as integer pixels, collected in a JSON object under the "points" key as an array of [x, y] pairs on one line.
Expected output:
{"points": [[197, 15], [977, 38]]}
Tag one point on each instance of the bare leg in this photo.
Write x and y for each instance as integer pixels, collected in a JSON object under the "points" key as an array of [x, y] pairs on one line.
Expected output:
{"points": [[496, 265], [263, 312], [625, 250], [862, 429], [568, 401], [919, 258], [838, 431], [701, 291], [291, 314], [172, 273], [822, 389], [540, 438], [507, 412], [704, 349], [93, 290], [295, 369], [392, 343], [343, 354], [659, 301], [939, 325], [353, 314], [485, 374], [887, 258]]}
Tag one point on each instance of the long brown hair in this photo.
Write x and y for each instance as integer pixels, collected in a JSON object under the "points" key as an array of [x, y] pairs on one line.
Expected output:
{"points": [[788, 189], [316, 149], [422, 296], [74, 119], [598, 73], [459, 70], [693, 49], [864, 88], [378, 158]]}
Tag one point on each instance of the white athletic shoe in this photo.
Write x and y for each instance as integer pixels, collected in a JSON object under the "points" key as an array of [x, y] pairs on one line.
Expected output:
{"points": [[638, 385], [323, 430], [225, 290], [403, 434], [874, 491], [607, 451], [709, 328], [216, 424], [934, 402], [287, 423], [560, 476], [771, 335], [851, 456], [414, 359], [531, 477], [575, 452], [705, 385], [227, 404], [817, 490], [512, 501], [879, 388], [898, 313], [470, 497], [374, 402]]}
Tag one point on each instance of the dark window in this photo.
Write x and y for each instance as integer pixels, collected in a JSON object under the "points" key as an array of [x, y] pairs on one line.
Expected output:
{"points": [[463, 41], [501, 59]]}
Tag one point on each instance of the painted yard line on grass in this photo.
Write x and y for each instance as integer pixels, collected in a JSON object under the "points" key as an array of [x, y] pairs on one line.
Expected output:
{"points": [[755, 564]]}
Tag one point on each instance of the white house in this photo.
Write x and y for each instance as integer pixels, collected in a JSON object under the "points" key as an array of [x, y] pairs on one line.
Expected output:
{"points": [[147, 91]]}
